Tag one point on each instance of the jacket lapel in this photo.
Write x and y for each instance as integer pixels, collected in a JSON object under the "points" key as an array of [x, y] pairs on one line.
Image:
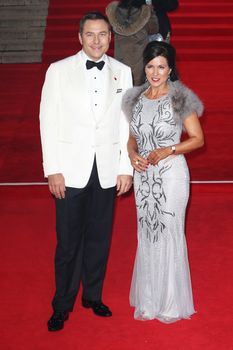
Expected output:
{"points": [[112, 83], [79, 86]]}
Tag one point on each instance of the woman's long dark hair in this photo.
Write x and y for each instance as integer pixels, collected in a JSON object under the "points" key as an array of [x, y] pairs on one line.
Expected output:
{"points": [[161, 48], [129, 4]]}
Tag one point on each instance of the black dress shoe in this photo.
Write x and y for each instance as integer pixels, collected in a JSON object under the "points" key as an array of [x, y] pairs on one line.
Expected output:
{"points": [[98, 307], [56, 322]]}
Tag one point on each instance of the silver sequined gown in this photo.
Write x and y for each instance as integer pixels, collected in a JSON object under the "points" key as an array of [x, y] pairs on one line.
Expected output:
{"points": [[161, 285]]}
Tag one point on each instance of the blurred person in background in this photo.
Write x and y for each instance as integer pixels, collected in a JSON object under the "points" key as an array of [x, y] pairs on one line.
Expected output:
{"points": [[161, 7], [132, 22]]}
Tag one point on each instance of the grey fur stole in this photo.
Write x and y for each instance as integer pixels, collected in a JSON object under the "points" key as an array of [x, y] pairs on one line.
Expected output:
{"points": [[184, 100]]}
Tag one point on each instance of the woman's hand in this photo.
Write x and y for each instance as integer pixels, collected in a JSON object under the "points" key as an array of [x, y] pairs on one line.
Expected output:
{"points": [[158, 154], [138, 163]]}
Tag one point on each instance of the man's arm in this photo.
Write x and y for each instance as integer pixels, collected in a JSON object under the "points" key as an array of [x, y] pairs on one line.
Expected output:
{"points": [[165, 5], [124, 179], [49, 131], [49, 122]]}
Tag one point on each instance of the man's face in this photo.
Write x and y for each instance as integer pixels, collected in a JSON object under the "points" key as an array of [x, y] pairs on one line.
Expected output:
{"points": [[95, 38]]}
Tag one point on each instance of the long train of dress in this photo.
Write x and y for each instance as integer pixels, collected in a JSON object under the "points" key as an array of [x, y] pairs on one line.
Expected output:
{"points": [[161, 286]]}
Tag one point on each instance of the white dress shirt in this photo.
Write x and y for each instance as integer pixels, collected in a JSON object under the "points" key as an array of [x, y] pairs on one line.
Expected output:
{"points": [[96, 84]]}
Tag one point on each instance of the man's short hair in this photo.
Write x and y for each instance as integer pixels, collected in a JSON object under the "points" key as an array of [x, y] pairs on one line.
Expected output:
{"points": [[94, 15]]}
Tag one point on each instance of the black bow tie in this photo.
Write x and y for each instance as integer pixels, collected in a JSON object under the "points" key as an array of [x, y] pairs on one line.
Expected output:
{"points": [[91, 64]]}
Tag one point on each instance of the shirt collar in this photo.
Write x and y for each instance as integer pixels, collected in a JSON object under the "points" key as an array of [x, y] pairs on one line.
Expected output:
{"points": [[85, 57]]}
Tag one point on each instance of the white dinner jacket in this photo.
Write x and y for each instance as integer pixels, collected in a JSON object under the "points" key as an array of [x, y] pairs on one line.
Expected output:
{"points": [[70, 135]]}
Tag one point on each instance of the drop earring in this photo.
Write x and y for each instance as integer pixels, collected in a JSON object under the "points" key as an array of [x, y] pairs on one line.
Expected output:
{"points": [[146, 81]]}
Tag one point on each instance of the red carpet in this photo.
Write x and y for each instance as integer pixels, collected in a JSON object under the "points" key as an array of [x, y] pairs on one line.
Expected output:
{"points": [[20, 156], [27, 248], [202, 33], [20, 87]]}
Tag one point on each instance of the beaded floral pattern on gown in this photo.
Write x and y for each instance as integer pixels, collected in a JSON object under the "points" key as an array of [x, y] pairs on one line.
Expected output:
{"points": [[161, 285]]}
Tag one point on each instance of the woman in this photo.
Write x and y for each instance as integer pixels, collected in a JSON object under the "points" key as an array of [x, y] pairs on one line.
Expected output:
{"points": [[132, 22], [159, 110]]}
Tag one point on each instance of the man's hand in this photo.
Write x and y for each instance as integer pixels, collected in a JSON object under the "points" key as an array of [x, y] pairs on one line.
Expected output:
{"points": [[124, 182], [57, 185]]}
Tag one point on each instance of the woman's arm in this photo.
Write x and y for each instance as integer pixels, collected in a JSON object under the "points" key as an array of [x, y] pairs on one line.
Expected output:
{"points": [[195, 133], [194, 141], [138, 163]]}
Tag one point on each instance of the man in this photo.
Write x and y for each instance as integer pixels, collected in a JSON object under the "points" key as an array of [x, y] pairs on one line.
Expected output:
{"points": [[161, 8], [84, 136]]}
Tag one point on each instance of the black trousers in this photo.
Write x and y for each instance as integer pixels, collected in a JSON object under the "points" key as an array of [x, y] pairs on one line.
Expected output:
{"points": [[83, 226]]}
